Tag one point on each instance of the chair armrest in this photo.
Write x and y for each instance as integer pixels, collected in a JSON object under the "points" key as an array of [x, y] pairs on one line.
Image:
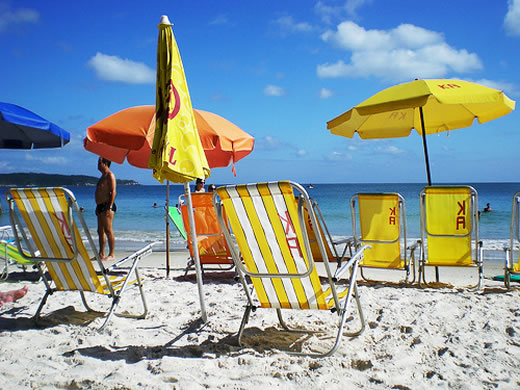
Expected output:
{"points": [[346, 240], [134, 257], [354, 260]]}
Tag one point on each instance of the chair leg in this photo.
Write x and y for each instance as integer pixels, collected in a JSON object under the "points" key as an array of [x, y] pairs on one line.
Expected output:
{"points": [[42, 303], [245, 320]]}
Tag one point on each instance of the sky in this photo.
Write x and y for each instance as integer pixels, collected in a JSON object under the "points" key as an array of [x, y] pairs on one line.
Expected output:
{"points": [[277, 69]]}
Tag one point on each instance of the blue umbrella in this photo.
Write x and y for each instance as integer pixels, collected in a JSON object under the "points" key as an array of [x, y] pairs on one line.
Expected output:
{"points": [[23, 129]]}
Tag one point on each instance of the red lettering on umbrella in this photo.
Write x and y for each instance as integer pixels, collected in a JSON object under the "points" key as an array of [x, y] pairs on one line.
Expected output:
{"points": [[177, 100], [448, 86]]}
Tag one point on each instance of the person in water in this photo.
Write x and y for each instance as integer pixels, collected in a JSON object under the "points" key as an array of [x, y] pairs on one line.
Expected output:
{"points": [[105, 208], [488, 208]]}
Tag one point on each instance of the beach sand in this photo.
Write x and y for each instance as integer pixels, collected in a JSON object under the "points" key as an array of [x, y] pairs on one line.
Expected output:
{"points": [[444, 337]]}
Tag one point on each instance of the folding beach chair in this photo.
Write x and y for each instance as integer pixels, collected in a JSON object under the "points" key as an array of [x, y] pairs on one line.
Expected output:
{"points": [[381, 218], [337, 250], [449, 229], [512, 268], [9, 254], [51, 217], [268, 223], [214, 253]]}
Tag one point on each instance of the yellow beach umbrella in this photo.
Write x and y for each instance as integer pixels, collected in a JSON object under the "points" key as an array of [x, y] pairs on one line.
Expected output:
{"points": [[428, 106], [177, 154]]}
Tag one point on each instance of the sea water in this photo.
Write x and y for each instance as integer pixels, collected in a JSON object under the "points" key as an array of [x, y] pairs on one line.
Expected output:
{"points": [[137, 222]]}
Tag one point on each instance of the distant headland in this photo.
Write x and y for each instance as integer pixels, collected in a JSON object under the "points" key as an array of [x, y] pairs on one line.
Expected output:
{"points": [[48, 180]]}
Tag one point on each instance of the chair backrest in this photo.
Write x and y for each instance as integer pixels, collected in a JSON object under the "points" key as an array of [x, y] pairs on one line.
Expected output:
{"points": [[211, 242], [269, 227], [323, 232], [514, 239], [48, 215], [449, 222], [382, 225]]}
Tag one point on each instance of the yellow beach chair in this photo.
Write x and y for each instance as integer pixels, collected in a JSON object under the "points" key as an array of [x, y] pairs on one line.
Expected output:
{"points": [[269, 226], [381, 218], [449, 229], [333, 247], [51, 217], [512, 268], [214, 253]]}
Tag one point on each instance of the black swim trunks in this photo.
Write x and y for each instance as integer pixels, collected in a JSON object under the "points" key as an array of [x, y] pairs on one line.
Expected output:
{"points": [[102, 207]]}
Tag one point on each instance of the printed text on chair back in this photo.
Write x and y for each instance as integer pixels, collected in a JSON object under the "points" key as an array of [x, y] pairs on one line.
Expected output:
{"points": [[315, 249], [449, 224], [380, 225], [264, 219], [45, 213]]}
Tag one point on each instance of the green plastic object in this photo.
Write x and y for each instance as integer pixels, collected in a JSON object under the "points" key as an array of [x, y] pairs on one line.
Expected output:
{"points": [[176, 218]]}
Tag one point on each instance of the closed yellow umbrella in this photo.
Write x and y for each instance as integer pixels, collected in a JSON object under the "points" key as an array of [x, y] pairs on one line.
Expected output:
{"points": [[177, 154], [428, 106]]}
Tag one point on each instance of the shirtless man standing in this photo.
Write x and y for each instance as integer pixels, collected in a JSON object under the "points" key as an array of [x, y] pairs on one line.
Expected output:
{"points": [[106, 208]]}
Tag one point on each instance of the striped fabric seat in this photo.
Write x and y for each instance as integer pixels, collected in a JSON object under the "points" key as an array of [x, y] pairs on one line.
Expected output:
{"points": [[50, 215], [268, 223], [512, 261], [380, 219], [449, 229]]}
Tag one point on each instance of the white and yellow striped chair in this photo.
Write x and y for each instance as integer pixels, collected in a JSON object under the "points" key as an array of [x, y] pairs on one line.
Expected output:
{"points": [[50, 215], [268, 223]]}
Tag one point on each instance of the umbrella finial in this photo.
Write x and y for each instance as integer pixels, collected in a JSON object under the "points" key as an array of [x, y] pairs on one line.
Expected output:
{"points": [[165, 20]]}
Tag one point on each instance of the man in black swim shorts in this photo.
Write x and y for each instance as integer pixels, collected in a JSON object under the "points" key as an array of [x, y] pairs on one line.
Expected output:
{"points": [[106, 208]]}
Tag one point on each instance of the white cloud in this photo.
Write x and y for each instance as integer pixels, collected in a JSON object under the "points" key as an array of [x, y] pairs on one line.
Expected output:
{"points": [[10, 16], [301, 153], [220, 19], [339, 156], [46, 160], [113, 68], [273, 90], [403, 53], [288, 24], [326, 93], [389, 150], [512, 19], [329, 13]]}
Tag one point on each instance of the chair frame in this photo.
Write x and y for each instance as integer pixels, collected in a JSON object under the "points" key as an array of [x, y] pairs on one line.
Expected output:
{"points": [[341, 307], [409, 261], [514, 237], [477, 257], [71, 225], [227, 261]]}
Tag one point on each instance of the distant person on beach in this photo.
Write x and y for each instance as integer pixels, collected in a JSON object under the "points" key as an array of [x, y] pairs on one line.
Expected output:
{"points": [[199, 185], [488, 208], [13, 295], [212, 187], [105, 207]]}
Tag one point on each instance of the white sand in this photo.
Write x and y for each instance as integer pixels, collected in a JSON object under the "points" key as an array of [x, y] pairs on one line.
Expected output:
{"points": [[415, 339]]}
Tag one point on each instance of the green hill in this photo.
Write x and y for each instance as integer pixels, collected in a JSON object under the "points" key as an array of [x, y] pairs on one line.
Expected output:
{"points": [[48, 180]]}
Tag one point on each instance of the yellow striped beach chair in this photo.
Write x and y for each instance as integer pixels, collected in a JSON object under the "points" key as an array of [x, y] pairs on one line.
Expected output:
{"points": [[50, 216], [449, 229], [381, 219], [269, 227], [511, 267]]}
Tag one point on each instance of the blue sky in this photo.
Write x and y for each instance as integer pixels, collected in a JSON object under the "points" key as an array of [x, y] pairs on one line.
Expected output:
{"points": [[278, 69]]}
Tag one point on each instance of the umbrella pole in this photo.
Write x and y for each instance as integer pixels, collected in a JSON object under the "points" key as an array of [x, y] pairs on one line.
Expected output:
{"points": [[167, 229], [195, 247], [426, 159]]}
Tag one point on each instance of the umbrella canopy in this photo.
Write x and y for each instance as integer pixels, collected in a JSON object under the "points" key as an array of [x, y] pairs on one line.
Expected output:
{"points": [[428, 106], [177, 153], [23, 129], [129, 134]]}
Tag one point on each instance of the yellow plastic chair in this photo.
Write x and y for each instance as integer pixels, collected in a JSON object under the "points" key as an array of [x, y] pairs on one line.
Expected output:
{"points": [[449, 229], [214, 253], [381, 218], [333, 247], [51, 217], [269, 226], [512, 268]]}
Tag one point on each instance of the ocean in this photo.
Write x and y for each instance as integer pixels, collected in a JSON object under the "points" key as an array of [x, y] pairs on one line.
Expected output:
{"points": [[138, 222]]}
